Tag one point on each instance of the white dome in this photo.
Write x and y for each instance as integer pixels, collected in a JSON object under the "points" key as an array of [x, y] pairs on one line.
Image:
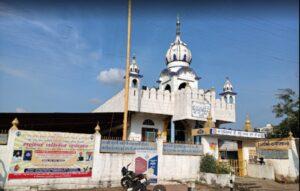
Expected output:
{"points": [[178, 54], [178, 51], [227, 86], [134, 69]]}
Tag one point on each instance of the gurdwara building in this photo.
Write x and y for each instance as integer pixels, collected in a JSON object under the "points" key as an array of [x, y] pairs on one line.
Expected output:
{"points": [[177, 106]]}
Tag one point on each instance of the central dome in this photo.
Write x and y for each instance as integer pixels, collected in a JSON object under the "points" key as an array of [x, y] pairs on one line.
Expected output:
{"points": [[178, 54]]}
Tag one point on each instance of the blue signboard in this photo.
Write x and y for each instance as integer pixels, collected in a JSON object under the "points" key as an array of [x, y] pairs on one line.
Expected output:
{"points": [[153, 164], [182, 149], [273, 154], [118, 146]]}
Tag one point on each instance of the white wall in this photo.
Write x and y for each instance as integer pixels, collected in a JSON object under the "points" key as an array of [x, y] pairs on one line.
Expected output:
{"points": [[136, 124], [3, 164], [176, 104], [261, 171], [107, 170], [284, 169], [287, 169]]}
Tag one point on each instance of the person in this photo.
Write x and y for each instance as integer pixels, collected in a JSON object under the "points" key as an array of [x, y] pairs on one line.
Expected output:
{"points": [[17, 155], [80, 157], [261, 161], [89, 156]]}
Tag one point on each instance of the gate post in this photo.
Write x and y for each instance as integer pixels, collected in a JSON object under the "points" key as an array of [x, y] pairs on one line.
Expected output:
{"points": [[96, 172], [10, 147], [241, 165]]}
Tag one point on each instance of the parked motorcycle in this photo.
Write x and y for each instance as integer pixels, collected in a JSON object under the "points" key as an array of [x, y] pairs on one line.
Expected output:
{"points": [[136, 182], [132, 181]]}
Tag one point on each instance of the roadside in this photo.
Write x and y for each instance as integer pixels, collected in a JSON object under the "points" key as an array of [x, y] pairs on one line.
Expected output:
{"points": [[173, 187], [245, 184]]}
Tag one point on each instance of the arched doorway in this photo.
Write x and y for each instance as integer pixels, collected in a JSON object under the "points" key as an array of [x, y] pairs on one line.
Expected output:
{"points": [[182, 85], [149, 132], [168, 87], [134, 83]]}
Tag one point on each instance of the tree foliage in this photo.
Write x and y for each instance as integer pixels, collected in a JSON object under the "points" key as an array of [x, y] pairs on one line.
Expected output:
{"points": [[288, 110]]}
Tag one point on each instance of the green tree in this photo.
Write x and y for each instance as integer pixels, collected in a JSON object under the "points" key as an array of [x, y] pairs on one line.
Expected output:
{"points": [[288, 109]]}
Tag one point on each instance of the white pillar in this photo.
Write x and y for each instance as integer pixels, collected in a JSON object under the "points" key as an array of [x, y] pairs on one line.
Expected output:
{"points": [[96, 173], [10, 147], [172, 131], [160, 143]]}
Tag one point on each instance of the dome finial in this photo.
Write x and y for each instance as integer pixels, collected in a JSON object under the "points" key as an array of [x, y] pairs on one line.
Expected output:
{"points": [[178, 26], [133, 59]]}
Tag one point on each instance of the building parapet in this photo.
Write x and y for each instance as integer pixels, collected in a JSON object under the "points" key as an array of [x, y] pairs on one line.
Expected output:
{"points": [[178, 104]]}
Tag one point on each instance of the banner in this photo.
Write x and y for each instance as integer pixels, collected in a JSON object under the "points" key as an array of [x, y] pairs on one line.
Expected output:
{"points": [[40, 154], [274, 144], [146, 162]]}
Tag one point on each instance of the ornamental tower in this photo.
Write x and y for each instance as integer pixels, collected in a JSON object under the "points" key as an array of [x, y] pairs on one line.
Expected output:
{"points": [[134, 74], [228, 94], [178, 73]]}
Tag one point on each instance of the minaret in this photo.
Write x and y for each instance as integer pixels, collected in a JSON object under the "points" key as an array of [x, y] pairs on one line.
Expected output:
{"points": [[134, 74], [228, 94], [248, 126]]}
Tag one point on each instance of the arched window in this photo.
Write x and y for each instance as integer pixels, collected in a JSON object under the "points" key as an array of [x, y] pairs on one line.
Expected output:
{"points": [[168, 87], [134, 83], [174, 57], [184, 57], [230, 99], [148, 122], [182, 86]]}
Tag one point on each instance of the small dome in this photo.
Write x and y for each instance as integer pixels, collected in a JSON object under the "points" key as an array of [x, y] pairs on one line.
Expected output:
{"points": [[227, 86], [178, 51], [134, 69]]}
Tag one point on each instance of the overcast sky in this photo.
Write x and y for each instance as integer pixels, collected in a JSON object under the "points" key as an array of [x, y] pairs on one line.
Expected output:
{"points": [[70, 56]]}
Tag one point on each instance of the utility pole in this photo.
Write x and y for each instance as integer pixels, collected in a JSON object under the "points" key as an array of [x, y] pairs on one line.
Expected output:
{"points": [[127, 73]]}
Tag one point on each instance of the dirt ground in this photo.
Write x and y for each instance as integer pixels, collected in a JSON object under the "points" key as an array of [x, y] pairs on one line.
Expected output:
{"points": [[174, 187], [267, 185]]}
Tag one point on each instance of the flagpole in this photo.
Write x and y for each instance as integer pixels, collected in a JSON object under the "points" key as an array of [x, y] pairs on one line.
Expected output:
{"points": [[125, 117]]}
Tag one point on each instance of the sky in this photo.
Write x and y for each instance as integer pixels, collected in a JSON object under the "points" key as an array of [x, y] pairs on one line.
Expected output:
{"points": [[69, 56]]}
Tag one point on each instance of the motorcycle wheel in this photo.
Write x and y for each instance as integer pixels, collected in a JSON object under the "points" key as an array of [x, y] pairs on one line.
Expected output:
{"points": [[125, 182], [140, 187], [159, 188]]}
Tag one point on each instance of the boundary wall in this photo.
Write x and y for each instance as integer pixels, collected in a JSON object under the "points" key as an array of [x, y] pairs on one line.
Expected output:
{"points": [[106, 171]]}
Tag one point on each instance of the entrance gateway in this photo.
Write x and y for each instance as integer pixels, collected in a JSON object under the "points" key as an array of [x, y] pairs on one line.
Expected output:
{"points": [[227, 146]]}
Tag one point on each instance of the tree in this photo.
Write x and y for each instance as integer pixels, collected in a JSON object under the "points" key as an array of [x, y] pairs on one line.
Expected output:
{"points": [[288, 109]]}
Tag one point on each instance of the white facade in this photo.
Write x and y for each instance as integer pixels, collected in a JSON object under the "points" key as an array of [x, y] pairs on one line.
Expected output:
{"points": [[178, 96]]}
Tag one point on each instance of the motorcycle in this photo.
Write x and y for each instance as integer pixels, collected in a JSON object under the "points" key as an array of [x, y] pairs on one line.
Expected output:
{"points": [[136, 182], [132, 181]]}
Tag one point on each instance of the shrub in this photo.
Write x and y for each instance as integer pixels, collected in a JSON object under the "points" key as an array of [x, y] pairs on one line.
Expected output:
{"points": [[223, 168], [208, 164]]}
